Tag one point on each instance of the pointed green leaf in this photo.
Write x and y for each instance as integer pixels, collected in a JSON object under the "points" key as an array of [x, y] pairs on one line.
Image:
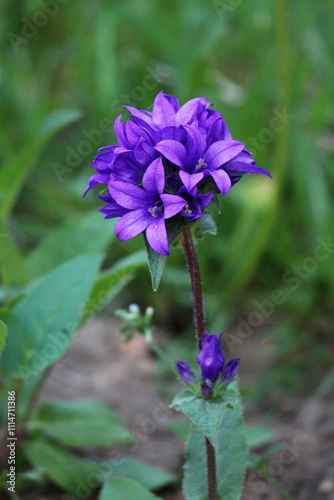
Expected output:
{"points": [[152, 478], [112, 281], [13, 174], [258, 436], [205, 413], [3, 333], [64, 468], [43, 324], [78, 423], [12, 264], [156, 265], [125, 489], [156, 261], [216, 202], [58, 120], [231, 458], [78, 236]]}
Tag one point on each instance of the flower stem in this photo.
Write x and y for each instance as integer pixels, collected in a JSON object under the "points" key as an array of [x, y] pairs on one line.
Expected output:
{"points": [[196, 283], [190, 253]]}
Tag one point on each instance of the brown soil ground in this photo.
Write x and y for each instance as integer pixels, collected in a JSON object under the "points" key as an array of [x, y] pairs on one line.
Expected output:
{"points": [[99, 366]]}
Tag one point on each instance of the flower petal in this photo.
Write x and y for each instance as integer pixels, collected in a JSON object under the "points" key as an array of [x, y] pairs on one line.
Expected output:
{"points": [[173, 101], [156, 235], [230, 369], [237, 166], [134, 133], [187, 112], [103, 160], [142, 115], [113, 210], [222, 180], [222, 151], [130, 196], [144, 153], [190, 180], [197, 150], [154, 177], [211, 358], [126, 169], [174, 151], [132, 224], [205, 199], [96, 179], [184, 371], [173, 204], [163, 113]]}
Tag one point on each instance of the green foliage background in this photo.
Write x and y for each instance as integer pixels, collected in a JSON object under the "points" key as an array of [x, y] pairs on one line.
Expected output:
{"points": [[254, 60]]}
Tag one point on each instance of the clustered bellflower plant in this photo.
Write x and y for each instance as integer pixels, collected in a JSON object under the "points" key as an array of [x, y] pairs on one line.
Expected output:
{"points": [[168, 165], [168, 162]]}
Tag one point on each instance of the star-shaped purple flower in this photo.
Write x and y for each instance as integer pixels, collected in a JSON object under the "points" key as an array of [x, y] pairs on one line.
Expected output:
{"points": [[197, 160], [146, 208]]}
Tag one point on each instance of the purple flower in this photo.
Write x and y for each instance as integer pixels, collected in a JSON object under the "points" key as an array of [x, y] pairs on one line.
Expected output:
{"points": [[211, 358], [184, 371], [211, 361], [168, 162], [230, 369], [144, 208], [199, 159]]}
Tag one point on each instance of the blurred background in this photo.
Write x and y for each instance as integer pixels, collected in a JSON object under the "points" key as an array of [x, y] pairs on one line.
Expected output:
{"points": [[67, 68]]}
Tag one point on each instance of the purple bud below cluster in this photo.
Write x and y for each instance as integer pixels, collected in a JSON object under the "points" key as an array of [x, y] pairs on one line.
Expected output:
{"points": [[230, 369], [212, 364], [211, 358], [184, 371], [168, 162]]}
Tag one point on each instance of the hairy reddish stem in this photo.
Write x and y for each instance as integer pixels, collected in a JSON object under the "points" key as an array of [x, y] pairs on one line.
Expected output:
{"points": [[197, 294], [196, 283]]}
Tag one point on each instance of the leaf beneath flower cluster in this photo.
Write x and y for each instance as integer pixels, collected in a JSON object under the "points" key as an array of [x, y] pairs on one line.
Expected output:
{"points": [[156, 261], [231, 457], [206, 225], [205, 413]]}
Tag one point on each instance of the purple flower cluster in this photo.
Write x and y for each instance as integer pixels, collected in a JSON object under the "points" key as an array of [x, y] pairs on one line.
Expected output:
{"points": [[168, 162], [212, 364]]}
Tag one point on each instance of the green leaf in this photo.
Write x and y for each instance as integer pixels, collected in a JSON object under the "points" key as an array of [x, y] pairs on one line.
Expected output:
{"points": [[148, 476], [156, 264], [258, 436], [12, 265], [43, 324], [5, 313], [64, 468], [206, 225], [78, 236], [216, 202], [112, 281], [12, 177], [231, 458], [13, 174], [78, 423], [125, 489], [3, 333], [58, 120], [205, 413], [156, 261]]}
